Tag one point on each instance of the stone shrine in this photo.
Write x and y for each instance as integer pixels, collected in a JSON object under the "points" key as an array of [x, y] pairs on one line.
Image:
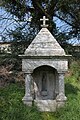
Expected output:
{"points": [[44, 64]]}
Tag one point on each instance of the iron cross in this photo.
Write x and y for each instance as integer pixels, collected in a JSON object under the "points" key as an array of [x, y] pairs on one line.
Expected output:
{"points": [[44, 21]]}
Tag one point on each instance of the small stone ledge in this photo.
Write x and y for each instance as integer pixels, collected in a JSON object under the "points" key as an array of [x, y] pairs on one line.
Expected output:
{"points": [[46, 105], [27, 100], [46, 57], [61, 98]]}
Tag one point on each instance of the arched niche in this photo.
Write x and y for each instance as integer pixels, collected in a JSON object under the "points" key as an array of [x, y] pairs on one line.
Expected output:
{"points": [[44, 79]]}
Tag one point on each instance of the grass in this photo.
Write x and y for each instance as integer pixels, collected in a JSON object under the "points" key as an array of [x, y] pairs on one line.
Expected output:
{"points": [[12, 107]]}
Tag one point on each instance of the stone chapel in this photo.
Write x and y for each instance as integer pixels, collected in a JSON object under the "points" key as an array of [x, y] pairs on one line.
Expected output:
{"points": [[44, 64]]}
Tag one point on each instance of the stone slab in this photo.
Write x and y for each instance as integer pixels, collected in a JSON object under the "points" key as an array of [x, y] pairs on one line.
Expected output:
{"points": [[44, 44], [46, 105]]}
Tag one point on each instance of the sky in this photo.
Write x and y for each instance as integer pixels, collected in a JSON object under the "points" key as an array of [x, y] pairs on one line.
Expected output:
{"points": [[5, 23], [11, 21], [8, 24]]}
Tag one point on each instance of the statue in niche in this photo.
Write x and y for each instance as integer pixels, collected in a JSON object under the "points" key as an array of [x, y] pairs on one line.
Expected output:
{"points": [[44, 82]]}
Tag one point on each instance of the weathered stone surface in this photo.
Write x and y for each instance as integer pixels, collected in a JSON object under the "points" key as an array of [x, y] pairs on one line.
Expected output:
{"points": [[61, 97], [46, 105], [31, 64], [44, 44], [27, 99], [44, 65], [44, 80]]}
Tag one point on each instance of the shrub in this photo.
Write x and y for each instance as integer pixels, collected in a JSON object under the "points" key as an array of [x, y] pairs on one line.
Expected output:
{"points": [[75, 69]]}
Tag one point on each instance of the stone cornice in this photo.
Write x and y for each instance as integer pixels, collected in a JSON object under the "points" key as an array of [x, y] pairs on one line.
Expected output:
{"points": [[45, 57]]}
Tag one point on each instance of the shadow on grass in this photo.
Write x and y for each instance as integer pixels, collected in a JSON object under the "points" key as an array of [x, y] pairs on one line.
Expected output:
{"points": [[70, 89]]}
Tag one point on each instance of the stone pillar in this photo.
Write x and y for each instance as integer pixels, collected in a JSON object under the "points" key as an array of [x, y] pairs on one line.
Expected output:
{"points": [[61, 82], [61, 96], [27, 99]]}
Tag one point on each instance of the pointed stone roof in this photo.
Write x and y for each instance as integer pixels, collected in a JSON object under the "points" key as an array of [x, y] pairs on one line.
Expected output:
{"points": [[44, 44]]}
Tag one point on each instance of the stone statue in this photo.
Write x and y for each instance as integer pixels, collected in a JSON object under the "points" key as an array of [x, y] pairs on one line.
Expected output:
{"points": [[44, 82]]}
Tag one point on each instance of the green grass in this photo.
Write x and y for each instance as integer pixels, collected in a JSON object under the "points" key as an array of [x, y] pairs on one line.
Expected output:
{"points": [[12, 107]]}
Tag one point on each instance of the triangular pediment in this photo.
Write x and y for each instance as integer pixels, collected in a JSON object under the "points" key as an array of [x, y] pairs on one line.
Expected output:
{"points": [[44, 44]]}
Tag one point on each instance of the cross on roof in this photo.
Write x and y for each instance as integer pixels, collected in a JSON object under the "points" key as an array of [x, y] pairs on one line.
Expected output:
{"points": [[44, 21]]}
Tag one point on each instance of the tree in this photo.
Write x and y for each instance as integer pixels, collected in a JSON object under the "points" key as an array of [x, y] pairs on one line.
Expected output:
{"points": [[68, 11]]}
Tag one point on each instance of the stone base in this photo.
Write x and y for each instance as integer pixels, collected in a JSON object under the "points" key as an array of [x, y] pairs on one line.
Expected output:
{"points": [[46, 105], [61, 98], [60, 104], [27, 100]]}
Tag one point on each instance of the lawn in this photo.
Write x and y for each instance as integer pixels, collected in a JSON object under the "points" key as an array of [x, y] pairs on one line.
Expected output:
{"points": [[12, 107]]}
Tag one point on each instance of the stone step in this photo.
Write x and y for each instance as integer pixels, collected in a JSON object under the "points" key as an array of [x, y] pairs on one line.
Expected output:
{"points": [[46, 105]]}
